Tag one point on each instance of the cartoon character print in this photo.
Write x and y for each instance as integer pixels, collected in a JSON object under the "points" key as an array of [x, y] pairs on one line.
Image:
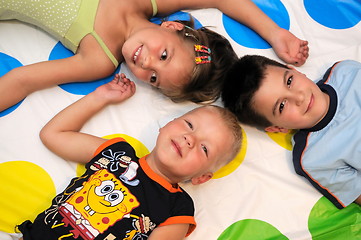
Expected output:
{"points": [[142, 225], [99, 204], [114, 161]]}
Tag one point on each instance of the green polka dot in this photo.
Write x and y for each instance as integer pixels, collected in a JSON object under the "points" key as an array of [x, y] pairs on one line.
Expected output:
{"points": [[328, 222], [251, 229]]}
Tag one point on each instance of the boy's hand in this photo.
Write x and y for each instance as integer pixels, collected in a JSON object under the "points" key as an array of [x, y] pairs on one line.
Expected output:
{"points": [[117, 90], [289, 48]]}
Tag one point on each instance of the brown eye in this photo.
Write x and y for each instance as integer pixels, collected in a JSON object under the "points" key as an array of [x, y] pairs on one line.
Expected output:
{"points": [[282, 105], [289, 81], [153, 78], [164, 56]]}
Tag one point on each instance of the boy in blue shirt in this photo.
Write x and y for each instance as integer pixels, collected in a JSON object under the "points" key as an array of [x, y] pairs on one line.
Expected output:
{"points": [[327, 151]]}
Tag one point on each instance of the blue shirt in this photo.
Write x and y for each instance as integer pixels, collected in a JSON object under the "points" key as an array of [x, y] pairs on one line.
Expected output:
{"points": [[329, 154]]}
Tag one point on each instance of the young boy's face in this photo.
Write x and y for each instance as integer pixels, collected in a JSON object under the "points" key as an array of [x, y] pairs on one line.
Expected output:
{"points": [[189, 146], [289, 100]]}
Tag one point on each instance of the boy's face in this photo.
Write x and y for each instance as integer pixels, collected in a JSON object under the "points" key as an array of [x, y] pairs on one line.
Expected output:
{"points": [[289, 100], [190, 145], [159, 56]]}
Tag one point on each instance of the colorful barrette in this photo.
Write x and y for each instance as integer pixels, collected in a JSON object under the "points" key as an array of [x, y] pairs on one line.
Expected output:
{"points": [[201, 48], [203, 59]]}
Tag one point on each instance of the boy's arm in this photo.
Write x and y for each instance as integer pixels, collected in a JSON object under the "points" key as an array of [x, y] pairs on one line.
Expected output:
{"points": [[177, 231], [61, 135], [288, 47]]}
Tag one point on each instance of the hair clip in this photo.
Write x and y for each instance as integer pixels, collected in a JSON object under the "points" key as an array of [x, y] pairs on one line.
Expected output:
{"points": [[201, 48], [186, 26], [191, 35], [203, 59]]}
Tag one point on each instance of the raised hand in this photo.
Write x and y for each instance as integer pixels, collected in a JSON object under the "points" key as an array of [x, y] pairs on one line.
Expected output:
{"points": [[117, 90], [289, 48]]}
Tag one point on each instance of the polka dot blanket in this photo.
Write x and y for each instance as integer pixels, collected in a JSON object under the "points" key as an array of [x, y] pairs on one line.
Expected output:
{"points": [[257, 196]]}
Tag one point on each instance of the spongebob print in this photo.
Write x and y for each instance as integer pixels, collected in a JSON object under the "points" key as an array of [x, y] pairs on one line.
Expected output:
{"points": [[99, 204], [114, 161]]}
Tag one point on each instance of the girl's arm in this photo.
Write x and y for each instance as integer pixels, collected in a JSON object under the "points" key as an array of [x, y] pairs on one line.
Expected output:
{"points": [[177, 231], [61, 135], [83, 66], [287, 46]]}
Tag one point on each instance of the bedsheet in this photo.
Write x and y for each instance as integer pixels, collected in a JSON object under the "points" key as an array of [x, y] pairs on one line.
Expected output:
{"points": [[257, 196]]}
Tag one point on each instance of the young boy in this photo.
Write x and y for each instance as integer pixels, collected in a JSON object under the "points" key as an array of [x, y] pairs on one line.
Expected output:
{"points": [[123, 197], [327, 151]]}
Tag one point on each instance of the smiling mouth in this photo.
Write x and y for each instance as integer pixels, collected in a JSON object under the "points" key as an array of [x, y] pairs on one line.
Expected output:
{"points": [[310, 103], [177, 148], [136, 54]]}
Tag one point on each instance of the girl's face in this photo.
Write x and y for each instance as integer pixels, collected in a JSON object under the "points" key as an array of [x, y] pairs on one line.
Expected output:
{"points": [[158, 56]]}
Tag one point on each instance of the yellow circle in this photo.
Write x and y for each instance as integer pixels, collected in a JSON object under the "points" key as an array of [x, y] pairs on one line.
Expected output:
{"points": [[26, 190], [139, 147], [283, 139], [234, 164]]}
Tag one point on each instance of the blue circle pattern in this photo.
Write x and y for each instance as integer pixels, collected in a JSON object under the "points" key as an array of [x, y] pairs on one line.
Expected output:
{"points": [[6, 64], [183, 16], [249, 38], [337, 14], [78, 88]]}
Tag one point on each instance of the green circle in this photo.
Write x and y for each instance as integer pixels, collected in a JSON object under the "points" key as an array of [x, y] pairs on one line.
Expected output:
{"points": [[328, 222], [251, 229]]}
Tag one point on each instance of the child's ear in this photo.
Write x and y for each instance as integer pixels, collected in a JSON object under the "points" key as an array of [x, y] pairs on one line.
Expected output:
{"points": [[202, 179], [276, 129], [172, 25]]}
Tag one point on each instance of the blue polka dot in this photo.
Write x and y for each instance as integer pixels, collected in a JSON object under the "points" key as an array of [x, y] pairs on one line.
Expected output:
{"points": [[6, 64], [249, 38], [335, 13], [183, 16], [79, 88]]}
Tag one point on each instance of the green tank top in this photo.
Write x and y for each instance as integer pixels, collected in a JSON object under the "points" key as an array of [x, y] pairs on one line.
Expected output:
{"points": [[67, 20]]}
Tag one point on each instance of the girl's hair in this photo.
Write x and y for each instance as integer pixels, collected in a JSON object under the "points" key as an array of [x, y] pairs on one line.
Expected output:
{"points": [[207, 79]]}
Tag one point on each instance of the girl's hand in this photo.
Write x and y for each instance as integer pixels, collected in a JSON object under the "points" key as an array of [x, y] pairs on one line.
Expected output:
{"points": [[289, 48], [117, 90]]}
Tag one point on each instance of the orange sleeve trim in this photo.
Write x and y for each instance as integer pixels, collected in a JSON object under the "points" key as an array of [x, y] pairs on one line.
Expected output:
{"points": [[107, 144], [318, 183], [181, 219]]}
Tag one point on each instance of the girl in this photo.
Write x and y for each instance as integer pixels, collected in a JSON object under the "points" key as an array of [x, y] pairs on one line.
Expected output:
{"points": [[171, 57]]}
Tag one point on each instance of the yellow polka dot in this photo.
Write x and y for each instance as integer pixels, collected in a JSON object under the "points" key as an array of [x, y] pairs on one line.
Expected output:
{"points": [[26, 190], [234, 164], [139, 147], [283, 139]]}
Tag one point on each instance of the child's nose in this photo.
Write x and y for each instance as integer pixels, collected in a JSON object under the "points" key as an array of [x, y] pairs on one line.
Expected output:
{"points": [[299, 98], [189, 140], [147, 62]]}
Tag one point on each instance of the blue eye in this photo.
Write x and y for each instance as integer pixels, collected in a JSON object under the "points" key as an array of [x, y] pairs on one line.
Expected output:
{"points": [[189, 125], [205, 149], [164, 56]]}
